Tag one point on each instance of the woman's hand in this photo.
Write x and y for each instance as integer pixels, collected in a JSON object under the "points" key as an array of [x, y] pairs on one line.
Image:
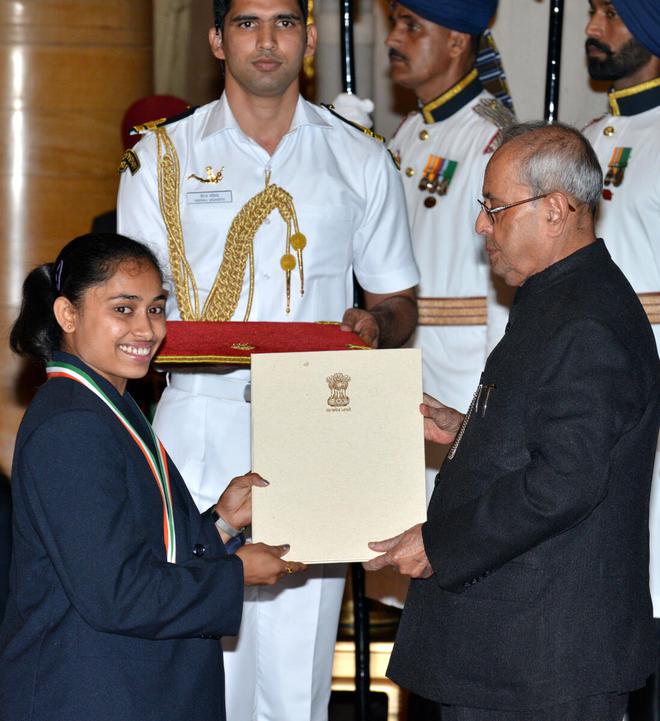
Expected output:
{"points": [[235, 503], [263, 564]]}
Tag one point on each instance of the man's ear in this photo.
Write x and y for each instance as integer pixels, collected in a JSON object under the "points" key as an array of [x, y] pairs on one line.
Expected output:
{"points": [[66, 314], [458, 43], [557, 212], [310, 47], [215, 41]]}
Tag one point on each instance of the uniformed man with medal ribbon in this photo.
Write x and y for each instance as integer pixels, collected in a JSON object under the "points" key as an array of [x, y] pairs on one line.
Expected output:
{"points": [[444, 53]]}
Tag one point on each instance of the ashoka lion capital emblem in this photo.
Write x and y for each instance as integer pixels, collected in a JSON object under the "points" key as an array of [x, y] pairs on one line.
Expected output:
{"points": [[338, 384]]}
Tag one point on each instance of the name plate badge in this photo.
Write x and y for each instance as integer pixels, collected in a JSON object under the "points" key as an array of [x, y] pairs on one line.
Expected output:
{"points": [[207, 197]]}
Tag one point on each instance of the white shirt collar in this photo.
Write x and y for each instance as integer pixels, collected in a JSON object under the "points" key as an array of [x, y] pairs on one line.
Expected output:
{"points": [[220, 117]]}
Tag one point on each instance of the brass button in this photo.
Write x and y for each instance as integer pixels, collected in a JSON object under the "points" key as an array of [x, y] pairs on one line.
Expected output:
{"points": [[609, 131], [430, 202], [410, 172], [424, 135]]}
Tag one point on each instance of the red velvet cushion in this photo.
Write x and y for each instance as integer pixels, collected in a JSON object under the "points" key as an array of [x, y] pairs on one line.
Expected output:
{"points": [[234, 342]]}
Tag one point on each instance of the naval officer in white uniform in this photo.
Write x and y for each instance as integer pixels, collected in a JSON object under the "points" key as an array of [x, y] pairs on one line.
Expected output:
{"points": [[325, 202]]}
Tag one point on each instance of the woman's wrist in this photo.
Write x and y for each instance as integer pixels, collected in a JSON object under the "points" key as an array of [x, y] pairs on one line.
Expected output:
{"points": [[224, 528]]}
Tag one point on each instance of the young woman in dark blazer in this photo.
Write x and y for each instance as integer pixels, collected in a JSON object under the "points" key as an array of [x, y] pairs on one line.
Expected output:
{"points": [[119, 588]]}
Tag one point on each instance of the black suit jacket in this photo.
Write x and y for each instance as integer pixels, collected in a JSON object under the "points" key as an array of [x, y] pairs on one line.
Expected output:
{"points": [[99, 626], [538, 527]]}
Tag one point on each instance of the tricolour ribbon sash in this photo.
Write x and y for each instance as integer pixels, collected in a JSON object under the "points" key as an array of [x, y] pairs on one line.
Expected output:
{"points": [[157, 463]]}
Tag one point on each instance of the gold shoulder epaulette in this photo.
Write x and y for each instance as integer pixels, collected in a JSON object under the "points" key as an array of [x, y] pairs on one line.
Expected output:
{"points": [[159, 122], [357, 126], [495, 112]]}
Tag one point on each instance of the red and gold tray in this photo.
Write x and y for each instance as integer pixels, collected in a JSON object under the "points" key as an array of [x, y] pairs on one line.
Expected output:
{"points": [[233, 342]]}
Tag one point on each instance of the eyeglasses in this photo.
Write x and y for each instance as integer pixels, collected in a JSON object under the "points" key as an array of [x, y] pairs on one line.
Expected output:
{"points": [[491, 212]]}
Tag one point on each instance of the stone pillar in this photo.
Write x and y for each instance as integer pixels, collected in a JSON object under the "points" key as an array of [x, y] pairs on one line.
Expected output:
{"points": [[68, 71]]}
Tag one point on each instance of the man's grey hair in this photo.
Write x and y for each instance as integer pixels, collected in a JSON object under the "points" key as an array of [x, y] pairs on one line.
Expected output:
{"points": [[557, 157]]}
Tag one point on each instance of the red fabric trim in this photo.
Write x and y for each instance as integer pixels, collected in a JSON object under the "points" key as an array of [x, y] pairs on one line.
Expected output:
{"points": [[235, 342]]}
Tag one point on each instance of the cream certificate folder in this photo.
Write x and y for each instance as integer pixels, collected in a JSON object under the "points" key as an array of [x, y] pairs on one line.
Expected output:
{"points": [[340, 437]]}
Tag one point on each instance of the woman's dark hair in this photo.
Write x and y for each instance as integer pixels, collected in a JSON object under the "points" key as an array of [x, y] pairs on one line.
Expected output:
{"points": [[85, 262]]}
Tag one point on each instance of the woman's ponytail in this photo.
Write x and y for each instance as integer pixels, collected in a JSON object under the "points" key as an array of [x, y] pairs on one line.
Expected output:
{"points": [[36, 333]]}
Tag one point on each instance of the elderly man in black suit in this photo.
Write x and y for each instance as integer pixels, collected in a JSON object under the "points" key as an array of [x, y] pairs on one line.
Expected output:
{"points": [[530, 600]]}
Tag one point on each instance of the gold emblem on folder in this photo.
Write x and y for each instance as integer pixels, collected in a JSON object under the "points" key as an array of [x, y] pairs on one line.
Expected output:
{"points": [[338, 384]]}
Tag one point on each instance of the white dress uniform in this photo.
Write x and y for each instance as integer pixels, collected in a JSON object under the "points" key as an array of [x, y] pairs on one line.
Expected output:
{"points": [[350, 206], [627, 142], [444, 148]]}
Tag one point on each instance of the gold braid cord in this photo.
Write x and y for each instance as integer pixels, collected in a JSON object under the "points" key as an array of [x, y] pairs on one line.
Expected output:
{"points": [[168, 196], [223, 298], [225, 293]]}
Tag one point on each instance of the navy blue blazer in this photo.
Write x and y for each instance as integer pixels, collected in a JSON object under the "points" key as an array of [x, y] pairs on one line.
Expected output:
{"points": [[99, 626], [5, 540], [537, 530]]}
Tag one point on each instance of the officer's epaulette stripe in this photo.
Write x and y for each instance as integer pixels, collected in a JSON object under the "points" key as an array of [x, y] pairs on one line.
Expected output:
{"points": [[495, 112], [160, 122], [594, 120], [357, 126]]}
